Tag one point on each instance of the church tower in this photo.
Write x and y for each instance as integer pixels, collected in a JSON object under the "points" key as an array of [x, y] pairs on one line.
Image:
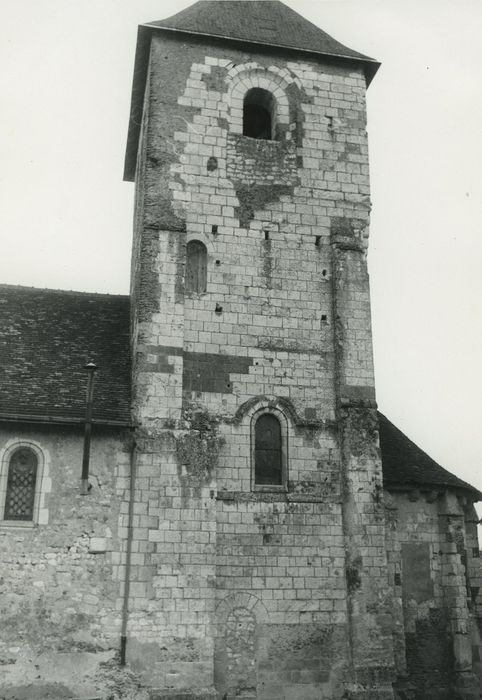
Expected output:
{"points": [[258, 551]]}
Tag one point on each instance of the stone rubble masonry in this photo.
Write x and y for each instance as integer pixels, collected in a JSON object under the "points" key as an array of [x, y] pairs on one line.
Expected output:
{"points": [[434, 569], [59, 579], [230, 579], [326, 588]]}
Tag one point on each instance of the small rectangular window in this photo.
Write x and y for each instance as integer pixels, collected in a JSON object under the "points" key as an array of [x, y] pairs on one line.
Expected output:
{"points": [[196, 267]]}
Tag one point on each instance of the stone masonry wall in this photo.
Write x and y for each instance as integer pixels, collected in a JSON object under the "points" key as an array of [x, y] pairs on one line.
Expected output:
{"points": [[436, 645], [257, 575], [59, 586]]}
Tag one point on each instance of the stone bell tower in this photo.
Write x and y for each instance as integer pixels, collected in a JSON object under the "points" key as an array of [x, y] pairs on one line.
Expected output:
{"points": [[259, 564]]}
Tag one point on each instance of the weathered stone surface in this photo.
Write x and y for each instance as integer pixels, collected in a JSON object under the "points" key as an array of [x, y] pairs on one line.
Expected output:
{"points": [[306, 589]]}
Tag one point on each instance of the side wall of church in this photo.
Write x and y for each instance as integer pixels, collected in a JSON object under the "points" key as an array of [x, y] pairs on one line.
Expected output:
{"points": [[60, 578], [241, 575], [434, 566]]}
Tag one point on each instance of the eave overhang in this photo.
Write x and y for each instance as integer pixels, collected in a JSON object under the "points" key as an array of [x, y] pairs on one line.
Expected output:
{"points": [[146, 31]]}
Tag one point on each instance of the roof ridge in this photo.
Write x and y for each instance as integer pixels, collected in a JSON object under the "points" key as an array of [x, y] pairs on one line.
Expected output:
{"points": [[301, 34], [24, 287]]}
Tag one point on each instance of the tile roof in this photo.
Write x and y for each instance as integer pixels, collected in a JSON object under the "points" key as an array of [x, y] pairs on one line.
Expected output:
{"points": [[257, 22], [46, 337], [268, 22], [405, 465]]}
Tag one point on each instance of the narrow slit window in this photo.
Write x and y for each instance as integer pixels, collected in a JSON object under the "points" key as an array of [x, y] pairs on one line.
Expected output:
{"points": [[259, 111], [196, 267], [21, 484], [268, 458]]}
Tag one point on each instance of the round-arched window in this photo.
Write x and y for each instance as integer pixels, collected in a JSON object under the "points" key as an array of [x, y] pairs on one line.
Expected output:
{"points": [[21, 484], [268, 459]]}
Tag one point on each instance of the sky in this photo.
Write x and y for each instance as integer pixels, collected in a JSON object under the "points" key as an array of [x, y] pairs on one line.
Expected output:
{"points": [[66, 215]]}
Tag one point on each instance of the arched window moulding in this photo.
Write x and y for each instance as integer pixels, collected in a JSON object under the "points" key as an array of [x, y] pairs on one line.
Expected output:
{"points": [[250, 76], [43, 484], [256, 414]]}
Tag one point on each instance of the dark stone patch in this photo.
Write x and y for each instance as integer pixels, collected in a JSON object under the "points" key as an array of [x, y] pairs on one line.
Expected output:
{"points": [[209, 372], [277, 497], [37, 691], [377, 494], [417, 582], [360, 428], [296, 97], [301, 647], [293, 345], [255, 197], [359, 122], [458, 538], [346, 234], [223, 123], [353, 148], [212, 164], [165, 118], [161, 363], [267, 255], [343, 226], [158, 210], [259, 161], [296, 659], [164, 442], [216, 79], [358, 393], [197, 451], [149, 290], [177, 248], [182, 695], [374, 678], [353, 576], [429, 657]]}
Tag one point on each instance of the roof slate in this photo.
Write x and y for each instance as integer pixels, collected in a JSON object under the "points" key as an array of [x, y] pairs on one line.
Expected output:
{"points": [[268, 22], [406, 465], [46, 337]]}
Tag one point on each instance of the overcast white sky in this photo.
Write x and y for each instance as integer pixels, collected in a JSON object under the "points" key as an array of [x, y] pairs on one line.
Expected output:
{"points": [[66, 215]]}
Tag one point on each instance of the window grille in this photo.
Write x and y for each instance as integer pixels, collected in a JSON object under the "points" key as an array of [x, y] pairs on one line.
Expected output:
{"points": [[21, 483]]}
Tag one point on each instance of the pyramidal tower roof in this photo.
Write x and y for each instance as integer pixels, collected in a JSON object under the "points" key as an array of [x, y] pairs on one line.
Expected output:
{"points": [[268, 23]]}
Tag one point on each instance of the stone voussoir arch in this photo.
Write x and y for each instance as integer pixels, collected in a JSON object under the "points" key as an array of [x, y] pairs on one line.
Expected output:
{"points": [[279, 404], [243, 600], [251, 75]]}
